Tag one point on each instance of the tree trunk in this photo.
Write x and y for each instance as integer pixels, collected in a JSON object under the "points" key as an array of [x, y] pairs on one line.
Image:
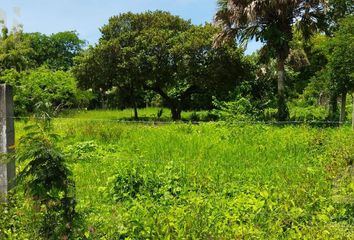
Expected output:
{"points": [[333, 108], [175, 104], [353, 112], [133, 98], [176, 113], [283, 113], [136, 116], [342, 108]]}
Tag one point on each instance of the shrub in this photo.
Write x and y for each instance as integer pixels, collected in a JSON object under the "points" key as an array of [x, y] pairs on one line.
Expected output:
{"points": [[307, 113], [82, 151], [194, 117], [46, 181], [42, 85], [134, 183], [16, 220], [239, 110], [159, 113]]}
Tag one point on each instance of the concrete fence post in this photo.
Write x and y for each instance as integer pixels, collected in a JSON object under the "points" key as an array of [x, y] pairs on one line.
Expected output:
{"points": [[7, 140]]}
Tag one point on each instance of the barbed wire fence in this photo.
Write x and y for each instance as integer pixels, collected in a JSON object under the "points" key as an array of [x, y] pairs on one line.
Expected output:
{"points": [[126, 120]]}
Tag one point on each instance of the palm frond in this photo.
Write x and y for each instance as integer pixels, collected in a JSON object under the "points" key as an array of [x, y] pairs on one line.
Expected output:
{"points": [[268, 20]]}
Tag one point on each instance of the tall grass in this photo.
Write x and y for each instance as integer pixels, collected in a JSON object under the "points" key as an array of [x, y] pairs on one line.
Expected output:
{"points": [[145, 114], [208, 181]]}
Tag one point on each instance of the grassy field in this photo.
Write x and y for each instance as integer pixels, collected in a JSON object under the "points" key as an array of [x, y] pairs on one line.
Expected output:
{"points": [[145, 114], [208, 181]]}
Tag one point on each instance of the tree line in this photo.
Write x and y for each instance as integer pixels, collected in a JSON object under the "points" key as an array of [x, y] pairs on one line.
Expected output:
{"points": [[158, 59]]}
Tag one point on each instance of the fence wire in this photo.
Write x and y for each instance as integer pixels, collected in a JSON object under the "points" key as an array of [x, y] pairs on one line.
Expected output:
{"points": [[152, 122]]}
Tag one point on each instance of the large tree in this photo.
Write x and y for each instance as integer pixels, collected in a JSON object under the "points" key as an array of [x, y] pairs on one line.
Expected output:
{"points": [[15, 50], [162, 53], [144, 41], [56, 50], [21, 51], [272, 23], [109, 68], [339, 50], [178, 67], [337, 9]]}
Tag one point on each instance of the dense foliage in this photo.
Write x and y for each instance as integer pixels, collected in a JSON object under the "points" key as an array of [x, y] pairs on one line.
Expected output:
{"points": [[37, 65], [162, 54], [15, 50], [44, 86], [55, 51], [46, 181], [270, 22]]}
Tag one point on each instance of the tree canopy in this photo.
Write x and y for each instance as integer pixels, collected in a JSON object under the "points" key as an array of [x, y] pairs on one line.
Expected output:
{"points": [[15, 50], [57, 50], [162, 53]]}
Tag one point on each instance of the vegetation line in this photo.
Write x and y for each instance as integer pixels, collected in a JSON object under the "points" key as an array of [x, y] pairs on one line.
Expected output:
{"points": [[184, 121]]}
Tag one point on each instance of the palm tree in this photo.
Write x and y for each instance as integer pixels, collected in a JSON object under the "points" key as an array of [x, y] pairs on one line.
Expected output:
{"points": [[271, 22]]}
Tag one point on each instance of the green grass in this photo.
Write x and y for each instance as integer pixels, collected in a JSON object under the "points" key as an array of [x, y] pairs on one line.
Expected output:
{"points": [[145, 114], [208, 181]]}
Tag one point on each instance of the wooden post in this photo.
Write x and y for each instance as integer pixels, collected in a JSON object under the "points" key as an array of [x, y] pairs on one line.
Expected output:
{"points": [[7, 140]]}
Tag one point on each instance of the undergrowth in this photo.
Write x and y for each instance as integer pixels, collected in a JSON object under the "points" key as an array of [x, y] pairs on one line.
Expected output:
{"points": [[210, 181]]}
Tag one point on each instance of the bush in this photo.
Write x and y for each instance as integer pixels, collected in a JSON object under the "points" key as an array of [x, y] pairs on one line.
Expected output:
{"points": [[57, 88], [134, 183], [194, 117], [238, 110], [238, 212], [47, 181], [270, 114], [307, 113], [16, 220]]}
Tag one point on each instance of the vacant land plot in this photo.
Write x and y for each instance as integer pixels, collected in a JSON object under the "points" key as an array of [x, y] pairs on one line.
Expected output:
{"points": [[210, 181]]}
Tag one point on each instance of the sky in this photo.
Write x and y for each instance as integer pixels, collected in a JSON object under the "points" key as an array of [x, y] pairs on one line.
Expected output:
{"points": [[87, 16]]}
